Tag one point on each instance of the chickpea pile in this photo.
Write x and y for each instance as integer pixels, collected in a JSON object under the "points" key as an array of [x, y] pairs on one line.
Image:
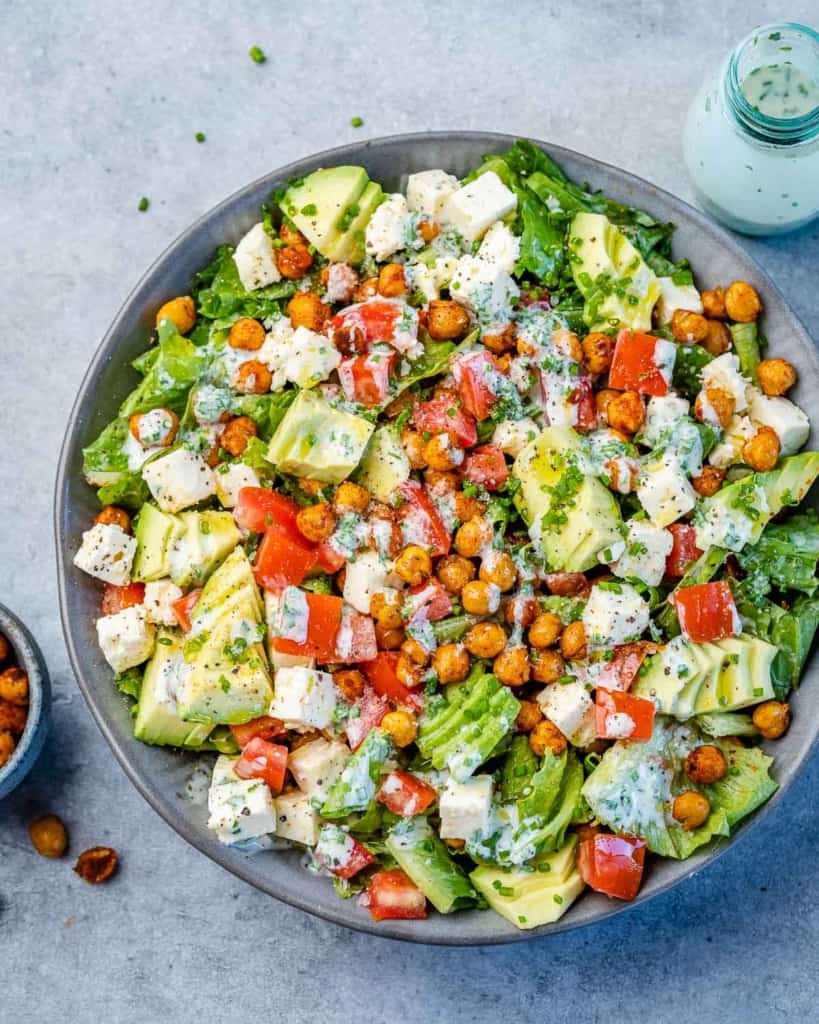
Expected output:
{"points": [[14, 698]]}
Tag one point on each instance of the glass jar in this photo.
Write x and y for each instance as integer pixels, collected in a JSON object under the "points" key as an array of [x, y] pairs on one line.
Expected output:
{"points": [[751, 142]]}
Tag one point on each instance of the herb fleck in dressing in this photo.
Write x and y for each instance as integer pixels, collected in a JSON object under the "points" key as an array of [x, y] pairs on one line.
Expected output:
{"points": [[781, 91]]}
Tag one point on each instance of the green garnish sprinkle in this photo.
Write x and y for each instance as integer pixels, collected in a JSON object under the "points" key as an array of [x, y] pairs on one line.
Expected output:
{"points": [[143, 204], [257, 54], [356, 122], [200, 136]]}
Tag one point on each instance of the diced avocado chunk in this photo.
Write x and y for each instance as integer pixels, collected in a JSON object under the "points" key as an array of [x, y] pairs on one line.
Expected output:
{"points": [[618, 286], [385, 464], [573, 518], [422, 855], [154, 531], [322, 205], [203, 541], [530, 899], [315, 440], [232, 583], [349, 246], [157, 719]]}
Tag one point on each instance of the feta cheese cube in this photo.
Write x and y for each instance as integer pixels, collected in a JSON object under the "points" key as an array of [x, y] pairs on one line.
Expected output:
{"points": [[500, 247], [485, 289], [512, 436], [276, 350], [569, 707], [429, 279], [474, 207], [386, 231], [159, 598], [675, 296], [729, 450], [317, 765], [312, 358], [296, 819], [107, 553], [723, 373], [663, 413], [465, 807], [614, 614], [278, 659], [239, 809], [303, 698], [366, 575], [255, 259], [179, 479], [230, 478], [428, 191], [787, 420], [664, 492], [647, 547], [127, 638]]}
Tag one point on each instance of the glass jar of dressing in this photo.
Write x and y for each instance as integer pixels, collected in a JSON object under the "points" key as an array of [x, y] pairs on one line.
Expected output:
{"points": [[751, 142]]}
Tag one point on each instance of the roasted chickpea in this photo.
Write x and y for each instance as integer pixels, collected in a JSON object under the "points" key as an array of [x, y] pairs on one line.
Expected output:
{"points": [[7, 746], [290, 235], [442, 481], [413, 444], [546, 736], [416, 652], [441, 454], [406, 671], [547, 666], [709, 481], [501, 343], [14, 686], [602, 400], [350, 497], [573, 641], [504, 362], [246, 334], [688, 327], [236, 435], [622, 474], [691, 809], [12, 718], [545, 630], [626, 412], [520, 611], [512, 666], [154, 429], [385, 531], [294, 261], [772, 719], [446, 320], [776, 376], [598, 349], [568, 584], [316, 522], [413, 565], [713, 303], [350, 683], [705, 764], [485, 640], [391, 281], [451, 663], [113, 515], [401, 726], [385, 608], [718, 339], [742, 302], [529, 716], [253, 378], [472, 536], [761, 453], [388, 639], [306, 309], [455, 571], [5, 646], [497, 567], [428, 229], [714, 406], [339, 281], [48, 836], [181, 311], [568, 344], [480, 598], [213, 455], [455, 844], [367, 289], [466, 507]]}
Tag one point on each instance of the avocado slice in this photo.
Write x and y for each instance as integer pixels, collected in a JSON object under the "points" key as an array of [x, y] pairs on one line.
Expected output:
{"points": [[154, 531], [745, 676], [317, 441], [232, 584], [615, 281], [325, 203], [385, 464], [349, 246], [157, 721], [586, 519], [669, 674], [423, 856], [532, 898], [202, 543]]}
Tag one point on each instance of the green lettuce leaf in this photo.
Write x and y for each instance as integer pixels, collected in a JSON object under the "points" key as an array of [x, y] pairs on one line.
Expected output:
{"points": [[787, 553], [220, 294], [170, 376]]}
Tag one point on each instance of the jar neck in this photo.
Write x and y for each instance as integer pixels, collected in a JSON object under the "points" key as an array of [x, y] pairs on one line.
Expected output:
{"points": [[772, 45]]}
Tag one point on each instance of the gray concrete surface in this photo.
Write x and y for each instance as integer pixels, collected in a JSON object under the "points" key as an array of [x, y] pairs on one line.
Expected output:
{"points": [[99, 104]]}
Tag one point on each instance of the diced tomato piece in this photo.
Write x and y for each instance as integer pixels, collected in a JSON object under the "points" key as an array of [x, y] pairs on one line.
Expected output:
{"points": [[366, 378], [684, 550], [612, 864], [430, 596], [375, 320], [568, 584], [381, 675], [486, 466], [444, 415], [642, 363], [355, 641], [183, 609], [324, 619], [419, 512], [620, 716], [116, 599], [392, 895], [707, 611], [283, 559], [258, 508], [621, 671], [265, 728], [263, 760], [406, 794], [328, 559], [370, 708], [582, 398], [474, 374], [350, 861]]}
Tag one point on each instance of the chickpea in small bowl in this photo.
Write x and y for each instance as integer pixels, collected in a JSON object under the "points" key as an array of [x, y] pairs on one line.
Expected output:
{"points": [[25, 699]]}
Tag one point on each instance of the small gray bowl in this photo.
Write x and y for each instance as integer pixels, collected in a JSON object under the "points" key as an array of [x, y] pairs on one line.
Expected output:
{"points": [[28, 656]]}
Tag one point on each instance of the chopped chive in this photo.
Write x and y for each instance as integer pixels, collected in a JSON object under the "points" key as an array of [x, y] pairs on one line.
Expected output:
{"points": [[257, 54], [356, 122], [200, 136], [143, 204]]}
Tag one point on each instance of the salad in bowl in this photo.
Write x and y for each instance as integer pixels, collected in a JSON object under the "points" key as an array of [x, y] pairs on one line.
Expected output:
{"points": [[464, 528]]}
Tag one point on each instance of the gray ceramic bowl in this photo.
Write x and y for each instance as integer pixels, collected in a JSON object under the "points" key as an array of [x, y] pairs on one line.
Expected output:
{"points": [[27, 655], [161, 775]]}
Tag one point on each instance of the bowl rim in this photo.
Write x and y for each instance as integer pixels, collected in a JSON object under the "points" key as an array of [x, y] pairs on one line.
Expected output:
{"points": [[29, 656], [334, 911]]}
